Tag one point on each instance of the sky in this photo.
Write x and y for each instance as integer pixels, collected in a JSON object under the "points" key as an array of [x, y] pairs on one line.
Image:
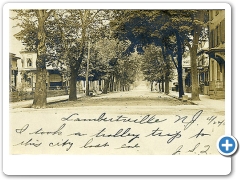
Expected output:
{"points": [[14, 44]]}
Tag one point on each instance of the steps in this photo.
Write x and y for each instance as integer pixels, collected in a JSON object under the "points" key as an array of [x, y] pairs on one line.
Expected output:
{"points": [[217, 94]]}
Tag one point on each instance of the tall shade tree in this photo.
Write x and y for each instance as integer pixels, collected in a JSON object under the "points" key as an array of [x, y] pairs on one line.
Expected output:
{"points": [[77, 28], [33, 24], [189, 28], [170, 29], [198, 33], [145, 27]]}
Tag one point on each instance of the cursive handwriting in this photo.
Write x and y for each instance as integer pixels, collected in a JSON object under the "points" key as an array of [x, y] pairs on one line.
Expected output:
{"points": [[57, 132], [65, 143], [205, 151], [188, 124], [221, 123], [77, 134], [147, 119], [158, 132], [192, 150], [183, 135], [24, 128], [178, 150], [211, 119], [200, 134], [29, 143], [196, 149], [129, 146], [119, 133], [89, 144]]}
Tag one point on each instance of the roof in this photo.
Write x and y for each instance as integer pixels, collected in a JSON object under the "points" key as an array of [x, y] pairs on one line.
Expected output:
{"points": [[13, 57], [19, 35]]}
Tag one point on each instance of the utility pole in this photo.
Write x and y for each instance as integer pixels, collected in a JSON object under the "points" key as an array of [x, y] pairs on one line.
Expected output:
{"points": [[87, 73]]}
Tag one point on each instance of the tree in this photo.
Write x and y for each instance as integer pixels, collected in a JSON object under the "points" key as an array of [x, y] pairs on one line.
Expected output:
{"points": [[142, 28], [170, 29], [154, 67], [198, 33], [33, 24], [77, 28], [127, 71], [105, 56], [189, 28]]}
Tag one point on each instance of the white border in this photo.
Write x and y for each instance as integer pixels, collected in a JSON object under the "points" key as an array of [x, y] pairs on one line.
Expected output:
{"points": [[114, 165]]}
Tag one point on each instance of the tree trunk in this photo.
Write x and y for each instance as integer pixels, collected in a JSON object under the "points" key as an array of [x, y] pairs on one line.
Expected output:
{"points": [[193, 56], [117, 85], [40, 95], [75, 65], [159, 87], [73, 86], [194, 77], [162, 85], [166, 84], [106, 86], [111, 83], [179, 68], [151, 86]]}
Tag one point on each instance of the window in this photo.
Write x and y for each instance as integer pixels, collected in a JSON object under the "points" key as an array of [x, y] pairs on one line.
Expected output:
{"points": [[29, 62]]}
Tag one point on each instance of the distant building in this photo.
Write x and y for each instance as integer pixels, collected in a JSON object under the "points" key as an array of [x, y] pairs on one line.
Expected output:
{"points": [[217, 54], [13, 71]]}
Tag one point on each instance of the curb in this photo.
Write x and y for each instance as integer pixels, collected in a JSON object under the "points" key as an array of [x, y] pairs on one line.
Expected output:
{"points": [[176, 97]]}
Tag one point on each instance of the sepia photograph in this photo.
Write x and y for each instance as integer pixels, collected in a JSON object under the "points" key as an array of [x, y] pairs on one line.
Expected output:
{"points": [[116, 81]]}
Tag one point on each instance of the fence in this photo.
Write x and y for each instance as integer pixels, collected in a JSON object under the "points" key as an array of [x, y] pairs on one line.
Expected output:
{"points": [[26, 95]]}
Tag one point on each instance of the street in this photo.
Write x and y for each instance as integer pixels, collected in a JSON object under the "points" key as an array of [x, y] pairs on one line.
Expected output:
{"points": [[139, 101]]}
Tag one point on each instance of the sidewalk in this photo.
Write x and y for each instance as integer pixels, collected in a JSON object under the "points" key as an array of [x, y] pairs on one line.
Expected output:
{"points": [[27, 103], [205, 101]]}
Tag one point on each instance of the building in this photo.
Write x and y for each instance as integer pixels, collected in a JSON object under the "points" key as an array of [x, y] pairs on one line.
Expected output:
{"points": [[13, 71], [202, 69], [56, 79], [26, 75], [217, 54]]}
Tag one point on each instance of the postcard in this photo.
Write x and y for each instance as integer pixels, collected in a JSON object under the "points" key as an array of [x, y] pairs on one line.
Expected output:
{"points": [[134, 89]]}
